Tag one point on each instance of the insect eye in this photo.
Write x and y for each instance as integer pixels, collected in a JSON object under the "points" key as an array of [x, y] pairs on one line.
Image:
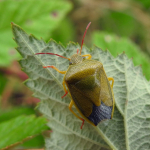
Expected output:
{"points": [[70, 63]]}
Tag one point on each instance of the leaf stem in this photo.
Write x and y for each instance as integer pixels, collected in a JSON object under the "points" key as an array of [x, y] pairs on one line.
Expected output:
{"points": [[105, 138]]}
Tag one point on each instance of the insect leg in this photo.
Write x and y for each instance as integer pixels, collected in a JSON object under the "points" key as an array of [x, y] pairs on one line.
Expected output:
{"points": [[113, 109], [89, 56], [70, 108], [66, 92], [111, 79], [77, 51], [62, 72]]}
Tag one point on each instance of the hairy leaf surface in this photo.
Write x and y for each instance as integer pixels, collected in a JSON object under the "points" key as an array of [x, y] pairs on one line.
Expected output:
{"points": [[129, 128], [36, 16]]}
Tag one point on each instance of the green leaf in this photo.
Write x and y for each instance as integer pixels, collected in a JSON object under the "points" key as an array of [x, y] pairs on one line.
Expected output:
{"points": [[11, 113], [118, 45], [36, 16], [3, 80], [19, 129], [129, 128], [145, 3], [122, 23], [5, 115], [65, 32], [36, 142]]}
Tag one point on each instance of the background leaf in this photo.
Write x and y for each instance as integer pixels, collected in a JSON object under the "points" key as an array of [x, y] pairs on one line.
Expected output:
{"points": [[15, 112], [62, 35], [129, 128], [117, 45], [35, 16], [118, 21], [26, 128], [12, 113]]}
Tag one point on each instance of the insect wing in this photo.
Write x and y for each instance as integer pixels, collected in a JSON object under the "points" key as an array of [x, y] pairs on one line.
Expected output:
{"points": [[82, 102], [90, 90], [106, 95]]}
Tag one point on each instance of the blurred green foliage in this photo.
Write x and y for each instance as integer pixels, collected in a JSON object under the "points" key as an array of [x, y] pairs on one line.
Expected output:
{"points": [[65, 32], [121, 23], [37, 17], [3, 83], [16, 111], [24, 126], [10, 114], [114, 24], [145, 3], [118, 45]]}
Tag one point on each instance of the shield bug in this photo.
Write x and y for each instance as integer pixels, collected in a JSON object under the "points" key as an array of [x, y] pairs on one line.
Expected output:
{"points": [[90, 88]]}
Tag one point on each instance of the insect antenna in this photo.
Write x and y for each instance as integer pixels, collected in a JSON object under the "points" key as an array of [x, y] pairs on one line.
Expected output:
{"points": [[84, 36], [53, 54]]}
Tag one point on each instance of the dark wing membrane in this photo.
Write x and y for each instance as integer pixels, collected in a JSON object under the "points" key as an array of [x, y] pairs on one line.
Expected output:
{"points": [[100, 113]]}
